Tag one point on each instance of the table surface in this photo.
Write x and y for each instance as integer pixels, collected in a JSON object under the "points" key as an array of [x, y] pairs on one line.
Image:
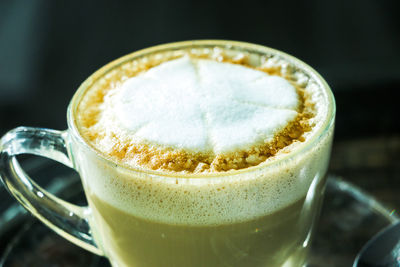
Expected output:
{"points": [[373, 164]]}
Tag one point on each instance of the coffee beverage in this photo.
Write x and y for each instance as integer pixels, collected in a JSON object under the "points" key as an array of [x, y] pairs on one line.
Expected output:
{"points": [[217, 157]]}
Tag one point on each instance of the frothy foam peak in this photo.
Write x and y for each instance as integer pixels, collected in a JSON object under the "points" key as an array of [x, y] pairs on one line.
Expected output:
{"points": [[203, 105]]}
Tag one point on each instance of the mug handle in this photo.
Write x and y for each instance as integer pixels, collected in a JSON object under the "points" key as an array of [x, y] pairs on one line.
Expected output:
{"points": [[68, 220]]}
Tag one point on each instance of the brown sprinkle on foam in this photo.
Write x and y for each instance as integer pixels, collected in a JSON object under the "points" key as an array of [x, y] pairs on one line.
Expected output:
{"points": [[178, 160]]}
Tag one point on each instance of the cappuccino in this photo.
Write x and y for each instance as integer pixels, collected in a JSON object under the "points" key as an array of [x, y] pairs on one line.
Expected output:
{"points": [[199, 138]]}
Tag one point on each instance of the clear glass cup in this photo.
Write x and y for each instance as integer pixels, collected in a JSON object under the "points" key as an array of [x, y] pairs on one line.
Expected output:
{"points": [[130, 225]]}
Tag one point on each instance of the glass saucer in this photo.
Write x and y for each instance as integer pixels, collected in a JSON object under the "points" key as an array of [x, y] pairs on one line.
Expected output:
{"points": [[349, 218]]}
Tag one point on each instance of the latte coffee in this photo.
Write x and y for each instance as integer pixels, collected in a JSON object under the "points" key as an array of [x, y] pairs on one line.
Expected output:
{"points": [[213, 153]]}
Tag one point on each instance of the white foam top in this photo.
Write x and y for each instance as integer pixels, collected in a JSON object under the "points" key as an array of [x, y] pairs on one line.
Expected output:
{"points": [[202, 105]]}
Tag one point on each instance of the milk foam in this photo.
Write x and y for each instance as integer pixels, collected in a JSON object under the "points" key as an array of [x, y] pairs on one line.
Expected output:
{"points": [[230, 198], [201, 105]]}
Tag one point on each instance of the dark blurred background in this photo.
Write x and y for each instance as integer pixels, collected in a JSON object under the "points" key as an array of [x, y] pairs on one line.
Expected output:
{"points": [[47, 48]]}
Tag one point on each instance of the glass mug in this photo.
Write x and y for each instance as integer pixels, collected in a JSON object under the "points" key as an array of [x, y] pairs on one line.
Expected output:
{"points": [[281, 238]]}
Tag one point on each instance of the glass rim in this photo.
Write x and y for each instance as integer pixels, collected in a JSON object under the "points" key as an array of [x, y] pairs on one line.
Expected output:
{"points": [[244, 46]]}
